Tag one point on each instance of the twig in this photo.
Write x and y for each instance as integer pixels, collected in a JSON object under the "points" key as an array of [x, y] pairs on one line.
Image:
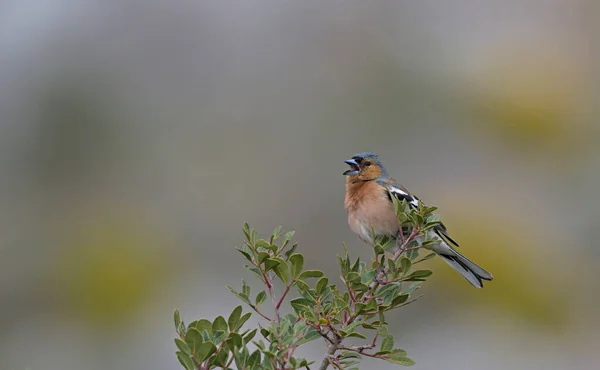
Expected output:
{"points": [[230, 361], [287, 289], [359, 349], [261, 314]]}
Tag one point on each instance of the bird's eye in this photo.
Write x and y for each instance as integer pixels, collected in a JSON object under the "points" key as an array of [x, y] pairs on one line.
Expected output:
{"points": [[367, 164]]}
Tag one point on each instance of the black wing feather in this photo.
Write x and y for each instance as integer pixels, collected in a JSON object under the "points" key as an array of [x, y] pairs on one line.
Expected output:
{"points": [[401, 194]]}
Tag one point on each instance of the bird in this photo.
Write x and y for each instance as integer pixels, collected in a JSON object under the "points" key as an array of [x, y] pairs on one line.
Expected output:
{"points": [[368, 202]]}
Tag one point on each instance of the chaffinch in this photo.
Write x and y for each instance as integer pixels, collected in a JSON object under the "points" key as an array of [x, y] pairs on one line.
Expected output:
{"points": [[371, 212]]}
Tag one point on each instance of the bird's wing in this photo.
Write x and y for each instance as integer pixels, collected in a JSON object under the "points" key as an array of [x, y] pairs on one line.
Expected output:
{"points": [[401, 193]]}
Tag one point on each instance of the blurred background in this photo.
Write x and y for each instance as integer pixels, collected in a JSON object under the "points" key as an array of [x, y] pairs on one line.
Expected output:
{"points": [[136, 137]]}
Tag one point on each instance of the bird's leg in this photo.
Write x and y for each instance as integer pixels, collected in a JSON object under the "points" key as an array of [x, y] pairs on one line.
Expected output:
{"points": [[404, 237], [380, 277], [400, 239]]}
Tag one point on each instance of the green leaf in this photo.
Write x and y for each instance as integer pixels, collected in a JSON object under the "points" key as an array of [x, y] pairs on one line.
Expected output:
{"points": [[399, 299], [310, 274], [248, 336], [241, 357], [359, 287], [283, 272], [262, 256], [400, 360], [299, 327], [310, 335], [418, 275], [427, 257], [263, 244], [217, 336], [368, 326], [177, 320], [367, 277], [291, 250], [413, 254], [260, 298], [271, 263], [245, 254], [192, 324], [204, 350], [371, 306], [392, 266], [269, 354], [220, 359], [186, 361], [356, 265], [243, 320], [219, 324], [308, 315], [234, 341], [183, 347], [405, 264], [234, 318], [304, 363], [358, 308], [353, 277], [388, 343], [273, 346], [245, 288], [321, 285], [256, 272], [419, 219], [204, 324], [343, 266], [247, 232], [356, 335], [433, 218], [387, 289], [305, 291], [275, 234], [265, 333], [397, 352], [286, 238], [193, 339], [349, 354], [254, 360], [301, 305], [297, 261], [260, 343]]}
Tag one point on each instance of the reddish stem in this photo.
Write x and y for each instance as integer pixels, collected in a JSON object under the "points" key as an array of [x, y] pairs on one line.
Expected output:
{"points": [[287, 289]]}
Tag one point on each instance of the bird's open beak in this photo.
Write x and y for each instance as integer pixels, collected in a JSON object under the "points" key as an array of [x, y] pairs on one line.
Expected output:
{"points": [[353, 167]]}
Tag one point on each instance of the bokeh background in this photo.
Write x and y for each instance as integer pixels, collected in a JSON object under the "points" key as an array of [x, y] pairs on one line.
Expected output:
{"points": [[136, 137]]}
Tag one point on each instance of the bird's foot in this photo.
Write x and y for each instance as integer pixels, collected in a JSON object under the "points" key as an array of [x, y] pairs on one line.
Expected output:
{"points": [[380, 277]]}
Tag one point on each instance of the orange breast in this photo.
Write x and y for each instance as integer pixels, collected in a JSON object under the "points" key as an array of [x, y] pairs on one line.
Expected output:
{"points": [[369, 210]]}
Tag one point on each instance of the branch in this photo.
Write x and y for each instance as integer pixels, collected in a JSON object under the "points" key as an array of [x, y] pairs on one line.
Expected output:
{"points": [[273, 300], [333, 347], [401, 249]]}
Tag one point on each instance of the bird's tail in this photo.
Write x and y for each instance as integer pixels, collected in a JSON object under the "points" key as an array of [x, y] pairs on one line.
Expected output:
{"points": [[472, 272]]}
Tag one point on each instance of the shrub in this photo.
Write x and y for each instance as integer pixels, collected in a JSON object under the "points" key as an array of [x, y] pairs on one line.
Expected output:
{"points": [[356, 308]]}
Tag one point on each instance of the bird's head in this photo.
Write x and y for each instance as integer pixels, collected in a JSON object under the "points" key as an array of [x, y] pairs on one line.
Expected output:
{"points": [[364, 167]]}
